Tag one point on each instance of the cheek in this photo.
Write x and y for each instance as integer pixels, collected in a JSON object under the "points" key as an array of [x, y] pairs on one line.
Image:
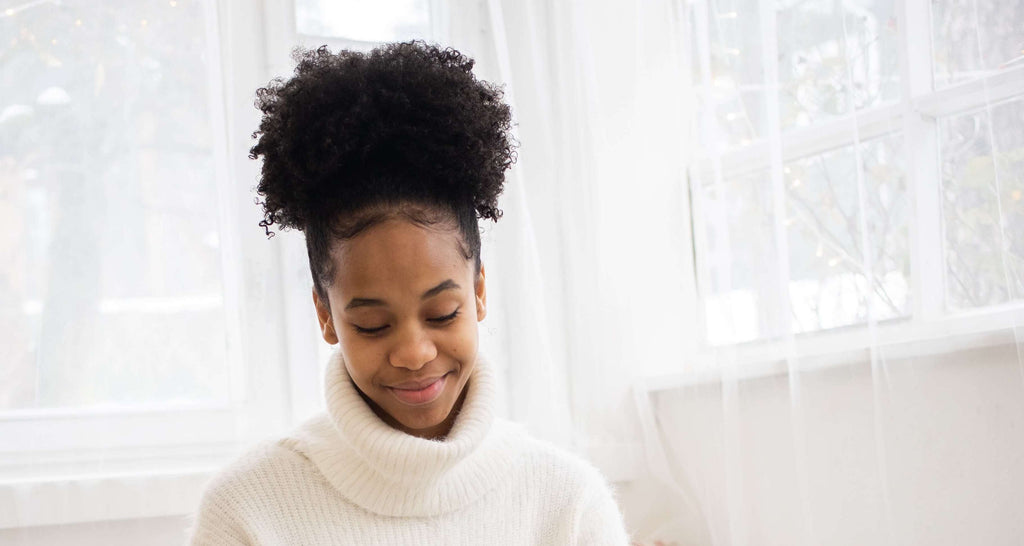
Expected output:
{"points": [[363, 358], [462, 342]]}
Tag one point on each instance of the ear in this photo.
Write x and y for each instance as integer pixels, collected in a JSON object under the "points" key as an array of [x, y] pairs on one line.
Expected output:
{"points": [[323, 314], [481, 295]]}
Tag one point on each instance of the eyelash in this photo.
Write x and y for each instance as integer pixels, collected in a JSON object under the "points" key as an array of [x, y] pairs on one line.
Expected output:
{"points": [[446, 318], [437, 320]]}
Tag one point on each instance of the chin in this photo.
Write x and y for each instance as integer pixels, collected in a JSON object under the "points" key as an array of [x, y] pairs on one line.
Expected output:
{"points": [[425, 421]]}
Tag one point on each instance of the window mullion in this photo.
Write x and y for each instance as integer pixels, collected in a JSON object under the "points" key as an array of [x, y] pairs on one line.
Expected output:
{"points": [[713, 173], [1006, 84], [920, 134], [804, 142], [780, 307]]}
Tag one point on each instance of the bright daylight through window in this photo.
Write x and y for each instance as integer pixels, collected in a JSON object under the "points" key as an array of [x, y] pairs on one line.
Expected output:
{"points": [[112, 284], [825, 128], [377, 21]]}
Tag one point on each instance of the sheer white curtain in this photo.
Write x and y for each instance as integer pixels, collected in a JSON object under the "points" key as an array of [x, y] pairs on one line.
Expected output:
{"points": [[793, 229], [592, 236], [589, 266]]}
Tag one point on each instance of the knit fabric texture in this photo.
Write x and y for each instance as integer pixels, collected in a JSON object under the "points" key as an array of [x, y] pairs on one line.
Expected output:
{"points": [[347, 477]]}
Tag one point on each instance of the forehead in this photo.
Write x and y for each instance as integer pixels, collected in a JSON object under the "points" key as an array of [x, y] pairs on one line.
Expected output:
{"points": [[398, 258]]}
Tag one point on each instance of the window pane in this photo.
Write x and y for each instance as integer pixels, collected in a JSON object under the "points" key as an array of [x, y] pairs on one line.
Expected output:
{"points": [[832, 57], [983, 205], [835, 57], [974, 37], [376, 21], [828, 287], [733, 98], [110, 290]]}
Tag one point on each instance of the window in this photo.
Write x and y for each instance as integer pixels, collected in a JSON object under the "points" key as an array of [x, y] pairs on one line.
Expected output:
{"points": [[860, 162], [125, 319], [379, 21], [351, 24], [113, 285]]}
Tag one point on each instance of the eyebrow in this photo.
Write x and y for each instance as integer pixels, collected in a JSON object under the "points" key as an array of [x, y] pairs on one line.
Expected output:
{"points": [[371, 302]]}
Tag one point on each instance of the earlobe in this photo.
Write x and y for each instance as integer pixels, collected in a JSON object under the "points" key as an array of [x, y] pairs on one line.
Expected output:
{"points": [[481, 295], [323, 315], [329, 335]]}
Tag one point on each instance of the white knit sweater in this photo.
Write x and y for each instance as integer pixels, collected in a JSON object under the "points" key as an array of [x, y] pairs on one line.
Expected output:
{"points": [[346, 477]]}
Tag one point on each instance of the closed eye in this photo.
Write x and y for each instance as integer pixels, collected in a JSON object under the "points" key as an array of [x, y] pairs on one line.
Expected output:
{"points": [[369, 331], [444, 319]]}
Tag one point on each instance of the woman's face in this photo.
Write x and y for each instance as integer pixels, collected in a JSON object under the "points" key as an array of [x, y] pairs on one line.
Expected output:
{"points": [[404, 305]]}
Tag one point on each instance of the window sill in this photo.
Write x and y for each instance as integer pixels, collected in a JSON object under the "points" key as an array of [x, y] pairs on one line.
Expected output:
{"points": [[895, 340], [84, 499], [143, 486], [98, 498]]}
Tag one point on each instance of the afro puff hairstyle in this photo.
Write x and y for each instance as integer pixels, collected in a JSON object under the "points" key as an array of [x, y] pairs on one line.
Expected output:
{"points": [[354, 138]]}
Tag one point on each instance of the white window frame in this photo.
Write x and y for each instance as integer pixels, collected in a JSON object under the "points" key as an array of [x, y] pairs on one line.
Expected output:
{"points": [[71, 465], [282, 35], [930, 327]]}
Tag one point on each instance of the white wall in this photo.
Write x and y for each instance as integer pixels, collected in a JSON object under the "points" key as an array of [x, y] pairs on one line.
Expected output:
{"points": [[950, 446]]}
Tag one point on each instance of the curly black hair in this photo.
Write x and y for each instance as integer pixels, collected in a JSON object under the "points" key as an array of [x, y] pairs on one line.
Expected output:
{"points": [[353, 138]]}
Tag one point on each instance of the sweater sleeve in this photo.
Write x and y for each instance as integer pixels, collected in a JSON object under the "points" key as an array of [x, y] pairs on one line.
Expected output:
{"points": [[600, 521]]}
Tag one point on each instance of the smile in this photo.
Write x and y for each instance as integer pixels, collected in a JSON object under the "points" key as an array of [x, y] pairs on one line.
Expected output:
{"points": [[420, 395]]}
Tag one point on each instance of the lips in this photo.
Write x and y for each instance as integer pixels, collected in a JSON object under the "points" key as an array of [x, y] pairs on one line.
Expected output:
{"points": [[416, 393], [416, 385]]}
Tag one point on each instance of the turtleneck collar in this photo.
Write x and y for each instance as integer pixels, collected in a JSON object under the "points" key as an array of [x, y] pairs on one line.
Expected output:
{"points": [[392, 473]]}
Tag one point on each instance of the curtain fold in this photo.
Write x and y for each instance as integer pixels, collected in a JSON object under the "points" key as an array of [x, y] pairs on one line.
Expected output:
{"points": [[593, 242], [591, 257]]}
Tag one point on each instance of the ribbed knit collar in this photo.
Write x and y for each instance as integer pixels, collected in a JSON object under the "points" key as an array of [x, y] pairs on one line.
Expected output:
{"points": [[392, 473]]}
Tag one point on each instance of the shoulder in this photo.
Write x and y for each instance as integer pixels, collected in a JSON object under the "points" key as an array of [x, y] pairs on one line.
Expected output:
{"points": [[552, 461], [269, 468], [570, 489], [251, 489], [263, 465]]}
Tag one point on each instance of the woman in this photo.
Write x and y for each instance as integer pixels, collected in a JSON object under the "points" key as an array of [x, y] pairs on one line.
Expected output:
{"points": [[385, 161]]}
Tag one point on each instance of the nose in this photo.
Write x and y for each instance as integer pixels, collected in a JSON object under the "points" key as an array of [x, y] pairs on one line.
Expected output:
{"points": [[413, 349]]}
